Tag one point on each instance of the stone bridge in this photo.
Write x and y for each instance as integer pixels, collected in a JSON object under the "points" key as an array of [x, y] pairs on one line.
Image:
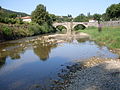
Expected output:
{"points": [[71, 25]]}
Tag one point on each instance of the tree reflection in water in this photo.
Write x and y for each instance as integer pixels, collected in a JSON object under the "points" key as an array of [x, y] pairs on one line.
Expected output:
{"points": [[42, 46], [42, 50], [2, 61]]}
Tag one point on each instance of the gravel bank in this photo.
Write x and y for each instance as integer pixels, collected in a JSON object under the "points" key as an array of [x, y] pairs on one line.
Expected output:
{"points": [[101, 75], [93, 74]]}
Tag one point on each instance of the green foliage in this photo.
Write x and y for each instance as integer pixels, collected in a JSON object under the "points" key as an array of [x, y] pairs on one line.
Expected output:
{"points": [[13, 15], [14, 28], [40, 15], [64, 18], [60, 28], [113, 11], [34, 29], [105, 17], [44, 28], [8, 20], [81, 18], [8, 17], [44, 19], [9, 13], [52, 17], [79, 27], [19, 21], [6, 30], [97, 17]]}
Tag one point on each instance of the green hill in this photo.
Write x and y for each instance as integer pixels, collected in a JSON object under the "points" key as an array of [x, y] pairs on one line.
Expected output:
{"points": [[10, 13]]}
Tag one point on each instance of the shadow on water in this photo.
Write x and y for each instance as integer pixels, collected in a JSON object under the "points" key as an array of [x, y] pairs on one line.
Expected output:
{"points": [[31, 61]]}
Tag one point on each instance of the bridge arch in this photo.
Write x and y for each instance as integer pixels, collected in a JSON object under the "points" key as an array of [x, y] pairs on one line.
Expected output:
{"points": [[70, 25], [61, 28], [79, 26]]}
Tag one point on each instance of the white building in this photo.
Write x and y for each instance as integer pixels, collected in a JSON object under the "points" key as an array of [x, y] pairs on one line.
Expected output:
{"points": [[92, 20], [26, 19]]}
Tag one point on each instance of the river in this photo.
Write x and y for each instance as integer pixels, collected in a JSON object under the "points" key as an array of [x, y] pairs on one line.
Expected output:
{"points": [[32, 61]]}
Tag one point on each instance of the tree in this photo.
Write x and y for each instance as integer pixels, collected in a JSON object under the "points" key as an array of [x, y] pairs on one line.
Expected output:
{"points": [[0, 7], [105, 17], [52, 17], [64, 18], [97, 17], [40, 15], [81, 18], [13, 15], [113, 11]]}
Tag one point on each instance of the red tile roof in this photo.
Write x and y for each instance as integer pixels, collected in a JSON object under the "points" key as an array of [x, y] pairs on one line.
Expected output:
{"points": [[27, 17]]}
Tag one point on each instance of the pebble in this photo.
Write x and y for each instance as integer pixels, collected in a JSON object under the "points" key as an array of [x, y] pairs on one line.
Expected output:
{"points": [[4, 50]]}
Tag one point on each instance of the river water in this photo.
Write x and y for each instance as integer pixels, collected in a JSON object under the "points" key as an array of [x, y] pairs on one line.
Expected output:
{"points": [[33, 61]]}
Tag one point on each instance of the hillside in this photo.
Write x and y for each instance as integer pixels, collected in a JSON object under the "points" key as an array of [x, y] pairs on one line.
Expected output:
{"points": [[7, 13]]}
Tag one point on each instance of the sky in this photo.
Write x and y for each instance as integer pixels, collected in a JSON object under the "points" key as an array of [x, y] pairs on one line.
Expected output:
{"points": [[60, 7]]}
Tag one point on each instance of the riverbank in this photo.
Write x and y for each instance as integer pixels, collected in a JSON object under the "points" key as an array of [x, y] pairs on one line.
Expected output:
{"points": [[109, 36], [99, 74], [92, 74], [17, 31]]}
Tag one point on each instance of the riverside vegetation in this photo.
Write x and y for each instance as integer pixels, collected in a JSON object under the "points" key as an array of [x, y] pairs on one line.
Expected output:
{"points": [[12, 27], [16, 31], [110, 36]]}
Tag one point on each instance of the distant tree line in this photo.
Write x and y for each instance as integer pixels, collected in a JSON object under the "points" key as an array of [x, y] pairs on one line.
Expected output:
{"points": [[112, 13]]}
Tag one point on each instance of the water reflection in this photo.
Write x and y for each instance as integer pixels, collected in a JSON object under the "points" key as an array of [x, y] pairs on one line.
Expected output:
{"points": [[2, 61], [42, 50], [41, 46]]}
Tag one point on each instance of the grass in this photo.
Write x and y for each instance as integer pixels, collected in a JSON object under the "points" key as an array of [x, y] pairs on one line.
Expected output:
{"points": [[110, 36]]}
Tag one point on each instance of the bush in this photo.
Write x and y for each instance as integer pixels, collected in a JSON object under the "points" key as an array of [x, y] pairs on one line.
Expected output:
{"points": [[34, 29], [44, 28], [19, 21], [7, 30], [8, 20]]}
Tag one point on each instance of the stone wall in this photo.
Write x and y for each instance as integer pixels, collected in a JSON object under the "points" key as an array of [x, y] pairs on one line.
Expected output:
{"points": [[111, 23], [105, 24]]}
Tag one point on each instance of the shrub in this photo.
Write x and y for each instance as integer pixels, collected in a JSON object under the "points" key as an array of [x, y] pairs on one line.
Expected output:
{"points": [[7, 30], [19, 21], [34, 29], [44, 28]]}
